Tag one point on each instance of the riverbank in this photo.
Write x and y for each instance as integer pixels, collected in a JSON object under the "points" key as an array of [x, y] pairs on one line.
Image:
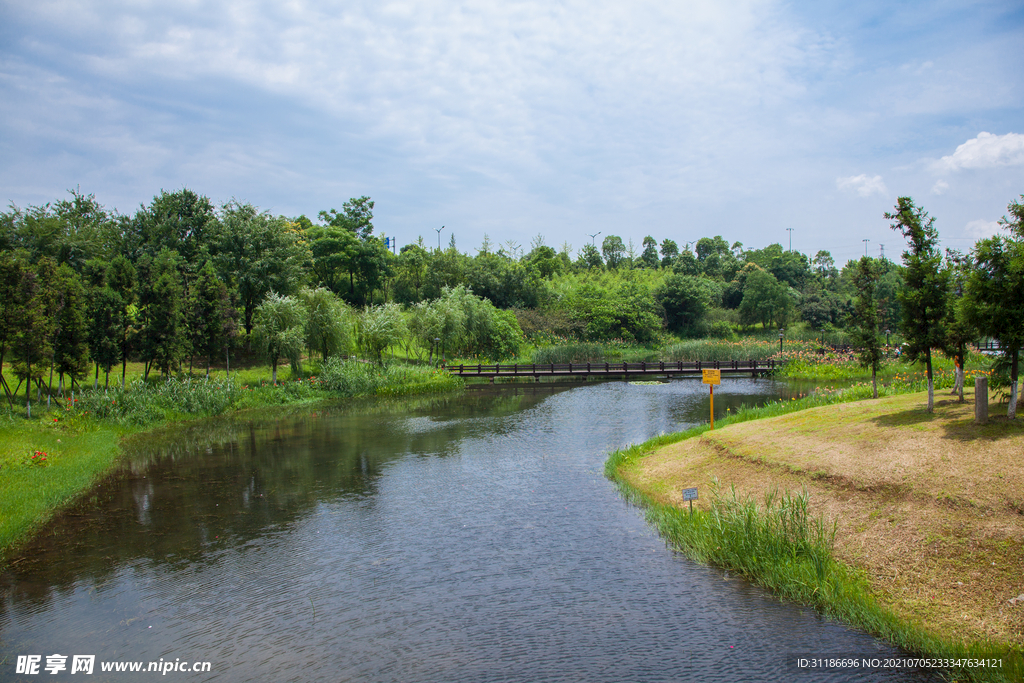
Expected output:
{"points": [[927, 513], [49, 461]]}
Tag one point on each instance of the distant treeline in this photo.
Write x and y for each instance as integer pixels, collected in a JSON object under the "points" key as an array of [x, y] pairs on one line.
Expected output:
{"points": [[182, 279]]}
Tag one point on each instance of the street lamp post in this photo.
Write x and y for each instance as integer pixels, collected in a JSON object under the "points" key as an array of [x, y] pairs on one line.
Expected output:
{"points": [[436, 345], [593, 237], [887, 337], [438, 230], [781, 334]]}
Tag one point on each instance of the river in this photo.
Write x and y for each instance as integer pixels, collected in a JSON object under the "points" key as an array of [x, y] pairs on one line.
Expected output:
{"points": [[470, 537]]}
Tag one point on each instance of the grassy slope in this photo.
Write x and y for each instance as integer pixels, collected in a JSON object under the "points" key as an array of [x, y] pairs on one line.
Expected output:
{"points": [[928, 508]]}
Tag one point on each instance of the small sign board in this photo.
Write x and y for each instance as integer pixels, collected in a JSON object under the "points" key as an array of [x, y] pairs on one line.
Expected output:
{"points": [[690, 494], [712, 376]]}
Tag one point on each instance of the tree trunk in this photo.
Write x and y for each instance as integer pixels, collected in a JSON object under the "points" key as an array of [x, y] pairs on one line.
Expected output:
{"points": [[124, 367], [273, 373], [1011, 411], [874, 381], [931, 384], [96, 382]]}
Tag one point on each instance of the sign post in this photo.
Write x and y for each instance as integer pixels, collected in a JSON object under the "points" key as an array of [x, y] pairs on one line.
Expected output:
{"points": [[690, 495], [711, 378]]}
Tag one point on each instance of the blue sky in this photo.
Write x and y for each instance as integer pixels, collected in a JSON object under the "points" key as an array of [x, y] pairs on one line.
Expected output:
{"points": [[519, 119]]}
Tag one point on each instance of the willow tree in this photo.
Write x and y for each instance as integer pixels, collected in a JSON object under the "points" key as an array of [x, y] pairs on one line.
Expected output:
{"points": [[923, 298], [277, 330]]}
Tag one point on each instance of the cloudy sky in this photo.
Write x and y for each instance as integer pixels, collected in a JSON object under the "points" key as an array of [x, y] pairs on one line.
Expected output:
{"points": [[518, 118]]}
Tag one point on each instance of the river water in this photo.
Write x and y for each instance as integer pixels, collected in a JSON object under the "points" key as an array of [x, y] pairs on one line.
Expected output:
{"points": [[462, 538]]}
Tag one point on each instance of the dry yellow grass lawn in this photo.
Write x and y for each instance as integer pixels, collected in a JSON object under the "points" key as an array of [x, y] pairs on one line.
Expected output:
{"points": [[931, 507]]}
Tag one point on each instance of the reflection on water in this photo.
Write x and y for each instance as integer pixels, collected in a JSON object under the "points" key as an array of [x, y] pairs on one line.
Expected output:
{"points": [[468, 537]]}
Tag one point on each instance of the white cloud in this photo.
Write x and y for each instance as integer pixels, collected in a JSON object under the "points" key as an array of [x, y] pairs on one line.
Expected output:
{"points": [[980, 229], [940, 187], [862, 185], [985, 151]]}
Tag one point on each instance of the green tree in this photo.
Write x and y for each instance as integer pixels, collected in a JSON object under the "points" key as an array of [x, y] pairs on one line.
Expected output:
{"points": [[71, 333], [211, 318], [765, 300], [589, 258], [13, 271], [33, 324], [278, 330], [162, 334], [257, 253], [685, 300], [994, 293], [381, 327], [669, 252], [183, 222], [356, 216], [649, 256], [122, 278], [327, 322], [865, 315], [614, 251], [924, 297], [106, 327]]}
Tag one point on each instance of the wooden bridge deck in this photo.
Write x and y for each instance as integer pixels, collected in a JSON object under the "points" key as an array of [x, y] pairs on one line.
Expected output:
{"points": [[754, 368]]}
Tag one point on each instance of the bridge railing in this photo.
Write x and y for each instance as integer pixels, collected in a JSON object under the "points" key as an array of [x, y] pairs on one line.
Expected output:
{"points": [[609, 368]]}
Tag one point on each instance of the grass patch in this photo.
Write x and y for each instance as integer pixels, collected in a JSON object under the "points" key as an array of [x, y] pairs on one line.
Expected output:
{"points": [[880, 576]]}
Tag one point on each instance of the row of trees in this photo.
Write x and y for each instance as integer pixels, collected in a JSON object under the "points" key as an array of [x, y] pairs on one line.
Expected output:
{"points": [[948, 299], [254, 253], [180, 279]]}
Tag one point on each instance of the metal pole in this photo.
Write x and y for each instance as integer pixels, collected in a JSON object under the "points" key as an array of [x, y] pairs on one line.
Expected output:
{"points": [[438, 230], [790, 231], [865, 241], [712, 387]]}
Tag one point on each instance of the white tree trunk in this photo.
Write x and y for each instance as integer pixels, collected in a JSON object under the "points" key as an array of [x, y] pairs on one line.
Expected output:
{"points": [[1011, 411]]}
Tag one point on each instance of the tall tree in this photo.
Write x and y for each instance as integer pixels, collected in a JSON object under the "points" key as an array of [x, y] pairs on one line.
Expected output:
{"points": [[106, 330], [122, 279], [865, 316], [614, 251], [923, 299], [649, 257], [71, 334], [257, 253], [669, 252], [13, 270], [162, 334], [211, 317], [994, 295], [33, 323], [959, 329]]}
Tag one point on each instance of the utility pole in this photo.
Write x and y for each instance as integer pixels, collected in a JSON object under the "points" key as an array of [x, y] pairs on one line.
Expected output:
{"points": [[865, 241], [883, 251], [790, 231], [439, 237], [593, 237]]}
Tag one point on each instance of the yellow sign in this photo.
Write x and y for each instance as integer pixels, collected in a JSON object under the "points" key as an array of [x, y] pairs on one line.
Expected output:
{"points": [[712, 376]]}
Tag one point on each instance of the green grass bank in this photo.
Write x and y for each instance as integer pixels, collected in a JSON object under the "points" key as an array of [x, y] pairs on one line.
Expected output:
{"points": [[766, 515]]}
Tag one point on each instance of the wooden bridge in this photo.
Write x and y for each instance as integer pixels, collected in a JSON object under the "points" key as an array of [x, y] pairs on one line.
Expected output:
{"points": [[754, 368]]}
